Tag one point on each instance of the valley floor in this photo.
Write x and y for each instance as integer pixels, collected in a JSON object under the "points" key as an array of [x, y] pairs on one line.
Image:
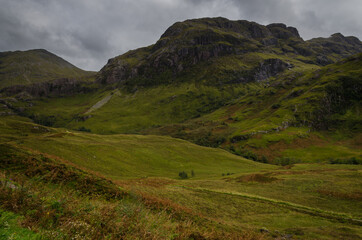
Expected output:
{"points": [[61, 184]]}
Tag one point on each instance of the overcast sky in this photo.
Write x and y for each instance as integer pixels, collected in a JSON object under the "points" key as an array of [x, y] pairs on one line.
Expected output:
{"points": [[89, 32]]}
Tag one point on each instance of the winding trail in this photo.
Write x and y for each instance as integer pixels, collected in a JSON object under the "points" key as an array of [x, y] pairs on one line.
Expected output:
{"points": [[341, 217], [102, 102]]}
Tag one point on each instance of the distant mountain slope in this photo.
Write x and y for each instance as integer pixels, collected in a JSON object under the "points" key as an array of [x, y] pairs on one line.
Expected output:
{"points": [[315, 116], [39, 65], [297, 116]]}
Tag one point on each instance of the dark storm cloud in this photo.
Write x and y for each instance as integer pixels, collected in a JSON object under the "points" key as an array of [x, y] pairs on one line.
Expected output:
{"points": [[88, 32]]}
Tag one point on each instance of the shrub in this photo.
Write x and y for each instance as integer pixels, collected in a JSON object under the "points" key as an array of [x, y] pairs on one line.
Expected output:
{"points": [[182, 175], [226, 174], [284, 161], [263, 159], [232, 149], [248, 154], [83, 129], [276, 106], [351, 161]]}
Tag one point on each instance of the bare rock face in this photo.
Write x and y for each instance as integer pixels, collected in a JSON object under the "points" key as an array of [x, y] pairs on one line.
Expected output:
{"points": [[265, 69], [270, 68], [281, 31], [116, 71], [59, 87]]}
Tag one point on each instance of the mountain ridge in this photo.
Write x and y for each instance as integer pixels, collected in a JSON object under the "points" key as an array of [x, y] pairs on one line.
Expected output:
{"points": [[186, 44]]}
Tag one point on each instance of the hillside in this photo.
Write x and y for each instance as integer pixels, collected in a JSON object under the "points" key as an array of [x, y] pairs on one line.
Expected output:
{"points": [[264, 97], [34, 66], [313, 117]]}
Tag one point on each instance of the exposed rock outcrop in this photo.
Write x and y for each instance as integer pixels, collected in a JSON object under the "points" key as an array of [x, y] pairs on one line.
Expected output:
{"points": [[270, 68], [281, 31], [265, 69], [59, 87]]}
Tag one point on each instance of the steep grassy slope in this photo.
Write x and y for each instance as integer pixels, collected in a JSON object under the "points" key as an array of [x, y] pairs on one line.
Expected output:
{"points": [[26, 67]]}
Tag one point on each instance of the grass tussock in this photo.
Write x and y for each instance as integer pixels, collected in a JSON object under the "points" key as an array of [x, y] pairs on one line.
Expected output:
{"points": [[341, 195], [261, 178]]}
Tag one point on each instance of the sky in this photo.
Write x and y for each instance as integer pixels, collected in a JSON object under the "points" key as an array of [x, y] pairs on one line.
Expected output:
{"points": [[89, 32]]}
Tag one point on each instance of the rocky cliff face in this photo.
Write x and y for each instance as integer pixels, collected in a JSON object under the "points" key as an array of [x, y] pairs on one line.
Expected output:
{"points": [[189, 43], [59, 87], [270, 68]]}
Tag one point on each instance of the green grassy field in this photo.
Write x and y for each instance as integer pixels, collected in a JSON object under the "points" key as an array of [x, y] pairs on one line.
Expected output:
{"points": [[131, 156], [57, 200], [227, 193]]}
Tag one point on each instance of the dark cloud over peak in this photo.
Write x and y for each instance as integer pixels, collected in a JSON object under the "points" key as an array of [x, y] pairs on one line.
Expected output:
{"points": [[89, 32]]}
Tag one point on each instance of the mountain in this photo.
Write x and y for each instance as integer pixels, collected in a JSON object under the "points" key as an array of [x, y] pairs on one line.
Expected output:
{"points": [[257, 91], [217, 131], [34, 66], [218, 51]]}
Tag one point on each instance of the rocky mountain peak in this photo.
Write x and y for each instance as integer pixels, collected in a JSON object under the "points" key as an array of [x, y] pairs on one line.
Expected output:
{"points": [[244, 28], [280, 30], [338, 37], [186, 44]]}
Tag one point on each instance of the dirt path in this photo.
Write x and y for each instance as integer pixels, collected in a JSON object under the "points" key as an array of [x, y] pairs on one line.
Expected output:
{"points": [[341, 217], [103, 101]]}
